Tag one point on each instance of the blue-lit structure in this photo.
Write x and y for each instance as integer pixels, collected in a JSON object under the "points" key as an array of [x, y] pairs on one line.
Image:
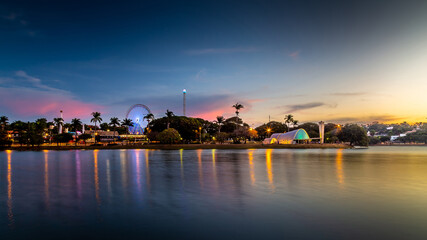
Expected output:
{"points": [[137, 113]]}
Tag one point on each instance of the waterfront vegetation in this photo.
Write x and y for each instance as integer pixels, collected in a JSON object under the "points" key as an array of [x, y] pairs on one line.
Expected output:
{"points": [[172, 129]]}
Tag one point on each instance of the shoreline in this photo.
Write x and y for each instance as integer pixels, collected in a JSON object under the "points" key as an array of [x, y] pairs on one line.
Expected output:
{"points": [[180, 146]]}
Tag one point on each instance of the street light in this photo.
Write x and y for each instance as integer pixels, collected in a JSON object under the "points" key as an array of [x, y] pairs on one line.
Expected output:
{"points": [[268, 130], [200, 134]]}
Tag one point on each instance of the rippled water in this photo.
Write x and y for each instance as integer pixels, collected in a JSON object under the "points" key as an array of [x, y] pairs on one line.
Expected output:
{"points": [[378, 193]]}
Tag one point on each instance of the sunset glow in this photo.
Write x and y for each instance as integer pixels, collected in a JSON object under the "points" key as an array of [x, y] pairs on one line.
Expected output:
{"points": [[341, 63]]}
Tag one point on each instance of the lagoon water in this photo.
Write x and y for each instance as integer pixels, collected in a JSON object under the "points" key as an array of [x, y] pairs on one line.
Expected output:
{"points": [[375, 193]]}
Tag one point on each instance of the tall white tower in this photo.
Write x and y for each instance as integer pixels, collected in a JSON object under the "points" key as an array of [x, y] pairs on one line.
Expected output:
{"points": [[184, 91], [322, 131], [60, 124]]}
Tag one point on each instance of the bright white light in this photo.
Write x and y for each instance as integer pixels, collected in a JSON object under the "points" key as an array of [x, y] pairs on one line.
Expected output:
{"points": [[184, 91]]}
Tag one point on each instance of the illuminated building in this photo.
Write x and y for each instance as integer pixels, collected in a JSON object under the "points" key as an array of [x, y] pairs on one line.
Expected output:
{"points": [[292, 137]]}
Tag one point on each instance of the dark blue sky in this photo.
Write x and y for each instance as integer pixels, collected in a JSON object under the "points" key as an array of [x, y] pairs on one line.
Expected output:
{"points": [[315, 59]]}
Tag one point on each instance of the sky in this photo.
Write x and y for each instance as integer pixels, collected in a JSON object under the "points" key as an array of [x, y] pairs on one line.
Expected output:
{"points": [[336, 61]]}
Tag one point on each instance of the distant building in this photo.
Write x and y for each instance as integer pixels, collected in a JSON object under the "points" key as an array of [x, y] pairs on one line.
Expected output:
{"points": [[104, 136]]}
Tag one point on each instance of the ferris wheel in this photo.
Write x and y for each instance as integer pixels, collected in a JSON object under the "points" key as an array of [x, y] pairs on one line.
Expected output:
{"points": [[136, 113]]}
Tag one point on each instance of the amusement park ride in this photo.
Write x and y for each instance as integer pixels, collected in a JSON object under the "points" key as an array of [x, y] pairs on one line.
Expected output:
{"points": [[136, 113]]}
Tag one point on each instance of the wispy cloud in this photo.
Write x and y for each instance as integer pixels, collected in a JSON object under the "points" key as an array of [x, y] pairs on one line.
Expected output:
{"points": [[366, 119], [36, 82], [200, 75], [294, 55], [15, 17], [220, 50], [28, 102], [37, 99], [4, 80], [305, 106], [348, 94], [18, 21]]}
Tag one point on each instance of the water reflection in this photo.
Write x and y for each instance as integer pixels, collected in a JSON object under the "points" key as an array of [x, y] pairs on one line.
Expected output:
{"points": [[334, 191], [251, 165], [46, 177], [182, 167], [214, 169], [147, 168], [268, 162], [78, 175], [199, 163], [123, 166], [339, 167], [108, 174], [9, 188], [138, 171], [96, 177]]}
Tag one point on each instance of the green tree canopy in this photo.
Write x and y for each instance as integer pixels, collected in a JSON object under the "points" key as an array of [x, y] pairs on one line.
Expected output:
{"points": [[311, 128], [186, 126], [354, 134], [63, 138], [85, 137], [169, 135], [275, 127], [417, 137]]}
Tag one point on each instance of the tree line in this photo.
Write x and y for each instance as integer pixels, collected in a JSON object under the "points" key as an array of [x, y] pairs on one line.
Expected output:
{"points": [[172, 129]]}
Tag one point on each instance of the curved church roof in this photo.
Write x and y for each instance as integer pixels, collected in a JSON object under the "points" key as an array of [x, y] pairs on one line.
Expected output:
{"points": [[288, 137]]}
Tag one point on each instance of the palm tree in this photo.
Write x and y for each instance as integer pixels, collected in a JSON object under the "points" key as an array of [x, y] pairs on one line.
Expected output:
{"points": [[238, 106], [3, 121], [149, 117], [288, 120], [114, 122], [127, 122], [96, 118], [295, 123], [220, 120], [58, 122], [76, 123], [169, 115]]}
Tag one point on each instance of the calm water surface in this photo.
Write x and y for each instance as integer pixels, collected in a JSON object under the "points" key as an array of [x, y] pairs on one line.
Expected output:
{"points": [[378, 193]]}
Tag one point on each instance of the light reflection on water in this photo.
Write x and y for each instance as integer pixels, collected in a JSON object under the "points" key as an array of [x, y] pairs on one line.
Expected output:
{"points": [[9, 188], [274, 194], [269, 165], [340, 173]]}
